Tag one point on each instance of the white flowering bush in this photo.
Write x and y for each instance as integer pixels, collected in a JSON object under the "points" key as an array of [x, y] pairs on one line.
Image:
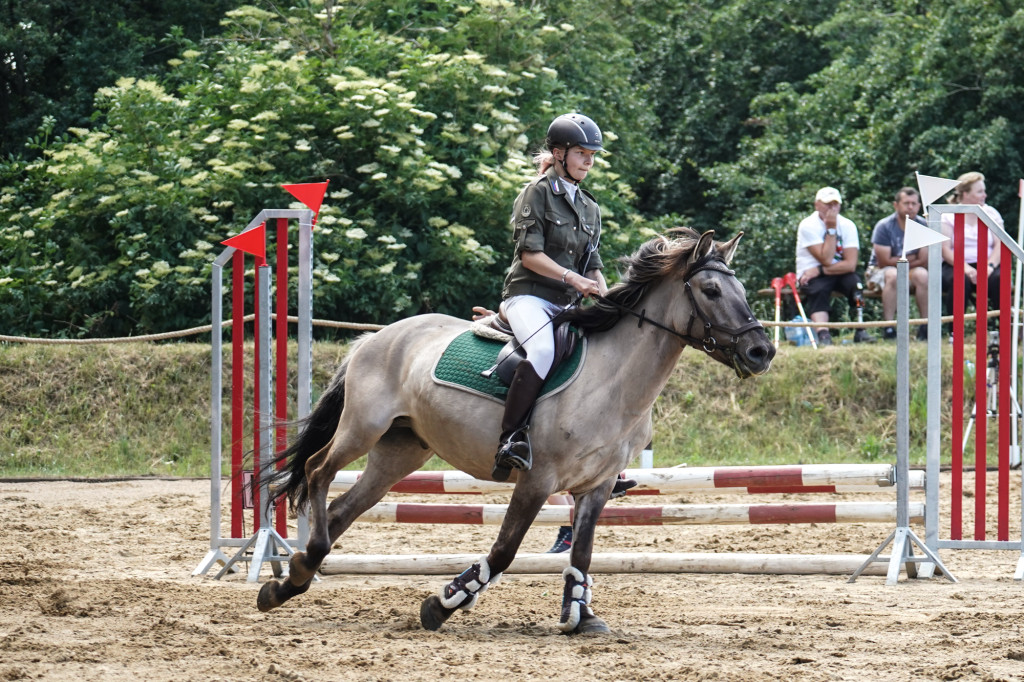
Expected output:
{"points": [[424, 122]]}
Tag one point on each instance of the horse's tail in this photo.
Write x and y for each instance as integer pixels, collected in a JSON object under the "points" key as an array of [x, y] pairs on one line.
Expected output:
{"points": [[317, 431]]}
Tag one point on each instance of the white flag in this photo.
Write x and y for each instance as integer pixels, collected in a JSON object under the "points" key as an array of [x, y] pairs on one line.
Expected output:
{"points": [[932, 188], [919, 236]]}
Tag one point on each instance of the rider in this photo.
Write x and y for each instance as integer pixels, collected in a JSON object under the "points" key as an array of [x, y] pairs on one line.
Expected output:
{"points": [[557, 229]]}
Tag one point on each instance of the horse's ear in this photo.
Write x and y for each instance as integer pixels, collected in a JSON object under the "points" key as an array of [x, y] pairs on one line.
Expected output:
{"points": [[728, 249], [704, 246]]}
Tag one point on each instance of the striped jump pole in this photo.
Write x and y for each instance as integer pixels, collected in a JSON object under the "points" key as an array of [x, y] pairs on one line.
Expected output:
{"points": [[611, 563], [821, 478], [668, 515]]}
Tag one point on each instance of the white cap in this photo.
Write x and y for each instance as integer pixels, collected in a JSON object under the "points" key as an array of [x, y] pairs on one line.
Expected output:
{"points": [[827, 195]]}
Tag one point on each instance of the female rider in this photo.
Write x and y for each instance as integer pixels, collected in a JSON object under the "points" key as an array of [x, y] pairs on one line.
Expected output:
{"points": [[556, 229]]}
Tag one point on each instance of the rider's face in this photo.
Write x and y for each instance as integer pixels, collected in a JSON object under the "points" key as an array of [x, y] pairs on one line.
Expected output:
{"points": [[578, 162]]}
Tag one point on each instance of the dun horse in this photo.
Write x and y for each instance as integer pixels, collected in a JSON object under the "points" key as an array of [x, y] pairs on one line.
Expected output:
{"points": [[382, 401]]}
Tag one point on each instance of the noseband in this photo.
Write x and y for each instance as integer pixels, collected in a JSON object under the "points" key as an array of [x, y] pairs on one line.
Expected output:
{"points": [[708, 342]]}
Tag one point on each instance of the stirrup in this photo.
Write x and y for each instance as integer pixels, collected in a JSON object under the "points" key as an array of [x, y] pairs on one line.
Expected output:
{"points": [[513, 454]]}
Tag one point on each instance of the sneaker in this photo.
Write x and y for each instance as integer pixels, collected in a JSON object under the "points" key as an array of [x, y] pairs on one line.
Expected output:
{"points": [[622, 484], [862, 336], [563, 543], [889, 333], [922, 333], [824, 337]]}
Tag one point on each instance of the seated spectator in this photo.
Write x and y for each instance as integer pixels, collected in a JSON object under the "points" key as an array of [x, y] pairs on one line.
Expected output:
{"points": [[970, 190], [887, 248], [826, 261]]}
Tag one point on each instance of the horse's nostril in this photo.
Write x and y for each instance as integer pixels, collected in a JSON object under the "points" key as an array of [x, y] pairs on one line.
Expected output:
{"points": [[761, 353]]}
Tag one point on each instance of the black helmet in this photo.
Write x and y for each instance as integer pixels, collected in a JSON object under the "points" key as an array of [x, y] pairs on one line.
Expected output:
{"points": [[571, 130]]}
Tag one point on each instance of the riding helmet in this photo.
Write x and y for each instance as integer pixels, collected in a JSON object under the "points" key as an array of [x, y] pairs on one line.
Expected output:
{"points": [[571, 130]]}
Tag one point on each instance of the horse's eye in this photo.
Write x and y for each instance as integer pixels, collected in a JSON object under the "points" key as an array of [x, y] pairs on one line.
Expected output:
{"points": [[711, 290]]}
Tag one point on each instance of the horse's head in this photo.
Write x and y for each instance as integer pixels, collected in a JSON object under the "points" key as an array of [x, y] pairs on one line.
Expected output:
{"points": [[720, 321], [711, 311]]}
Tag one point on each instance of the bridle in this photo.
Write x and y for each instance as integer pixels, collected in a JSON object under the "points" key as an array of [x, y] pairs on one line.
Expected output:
{"points": [[708, 342]]}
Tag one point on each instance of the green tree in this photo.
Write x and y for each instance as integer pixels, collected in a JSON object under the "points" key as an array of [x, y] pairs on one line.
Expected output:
{"points": [[422, 117], [54, 54], [703, 63], [909, 86]]}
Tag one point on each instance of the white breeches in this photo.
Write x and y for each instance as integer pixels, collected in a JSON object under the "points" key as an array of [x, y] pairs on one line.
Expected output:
{"points": [[530, 319]]}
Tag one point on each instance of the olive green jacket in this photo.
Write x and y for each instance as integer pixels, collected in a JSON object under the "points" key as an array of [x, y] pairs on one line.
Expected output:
{"points": [[543, 219]]}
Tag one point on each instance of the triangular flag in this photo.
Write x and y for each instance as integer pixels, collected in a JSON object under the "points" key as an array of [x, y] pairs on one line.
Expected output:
{"points": [[919, 236], [932, 188], [309, 193], [252, 241]]}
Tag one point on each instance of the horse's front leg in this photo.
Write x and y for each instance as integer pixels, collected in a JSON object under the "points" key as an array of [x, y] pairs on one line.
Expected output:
{"points": [[577, 617], [463, 591]]}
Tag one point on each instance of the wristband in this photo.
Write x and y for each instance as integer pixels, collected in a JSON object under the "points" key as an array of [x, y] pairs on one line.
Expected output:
{"points": [[565, 274]]}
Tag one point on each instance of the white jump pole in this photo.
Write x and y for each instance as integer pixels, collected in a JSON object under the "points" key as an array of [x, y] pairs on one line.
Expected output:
{"points": [[635, 562]]}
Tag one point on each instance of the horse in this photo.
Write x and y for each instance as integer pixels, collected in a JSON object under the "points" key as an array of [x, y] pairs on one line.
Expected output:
{"points": [[677, 291]]}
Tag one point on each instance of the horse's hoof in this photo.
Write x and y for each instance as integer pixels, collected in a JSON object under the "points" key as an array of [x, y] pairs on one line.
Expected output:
{"points": [[591, 625], [267, 598], [433, 613], [275, 593]]}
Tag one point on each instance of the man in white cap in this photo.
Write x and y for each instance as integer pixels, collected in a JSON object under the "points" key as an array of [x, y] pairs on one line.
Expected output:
{"points": [[826, 260]]}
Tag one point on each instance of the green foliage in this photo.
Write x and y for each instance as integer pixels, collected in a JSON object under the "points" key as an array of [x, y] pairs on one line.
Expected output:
{"points": [[704, 62], [909, 86], [725, 115], [55, 54], [423, 118]]}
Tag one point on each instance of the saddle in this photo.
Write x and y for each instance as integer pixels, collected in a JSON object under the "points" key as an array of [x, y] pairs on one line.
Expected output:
{"points": [[512, 353]]}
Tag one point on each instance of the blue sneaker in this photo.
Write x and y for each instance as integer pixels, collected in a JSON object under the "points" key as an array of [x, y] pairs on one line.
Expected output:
{"points": [[563, 543]]}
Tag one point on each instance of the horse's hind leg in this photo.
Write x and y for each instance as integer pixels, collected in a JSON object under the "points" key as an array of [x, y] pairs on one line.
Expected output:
{"points": [[396, 455], [462, 592]]}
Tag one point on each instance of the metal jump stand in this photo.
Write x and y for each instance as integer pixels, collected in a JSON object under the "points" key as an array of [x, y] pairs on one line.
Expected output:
{"points": [[903, 538]]}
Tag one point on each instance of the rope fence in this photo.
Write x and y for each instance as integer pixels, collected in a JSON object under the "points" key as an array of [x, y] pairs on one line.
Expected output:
{"points": [[358, 326]]}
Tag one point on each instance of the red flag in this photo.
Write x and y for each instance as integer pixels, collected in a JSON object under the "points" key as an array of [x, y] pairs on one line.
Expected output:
{"points": [[309, 193], [251, 241]]}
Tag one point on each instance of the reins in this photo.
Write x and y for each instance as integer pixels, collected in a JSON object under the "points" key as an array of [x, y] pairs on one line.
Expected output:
{"points": [[708, 342]]}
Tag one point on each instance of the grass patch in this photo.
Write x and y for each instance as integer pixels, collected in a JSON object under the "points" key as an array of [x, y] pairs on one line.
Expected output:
{"points": [[144, 409]]}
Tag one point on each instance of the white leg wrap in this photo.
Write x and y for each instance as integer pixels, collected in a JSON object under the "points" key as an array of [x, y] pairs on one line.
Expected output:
{"points": [[575, 598], [462, 592]]}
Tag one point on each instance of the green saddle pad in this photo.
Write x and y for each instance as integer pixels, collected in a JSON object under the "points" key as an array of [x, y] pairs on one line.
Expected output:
{"points": [[468, 355]]}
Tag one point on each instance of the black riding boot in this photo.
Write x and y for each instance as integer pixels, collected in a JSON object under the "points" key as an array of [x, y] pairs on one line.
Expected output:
{"points": [[514, 450]]}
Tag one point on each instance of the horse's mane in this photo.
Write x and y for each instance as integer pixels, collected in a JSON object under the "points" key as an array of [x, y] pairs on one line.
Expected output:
{"points": [[654, 260]]}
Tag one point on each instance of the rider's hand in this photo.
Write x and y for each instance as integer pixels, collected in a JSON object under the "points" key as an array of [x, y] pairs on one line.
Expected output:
{"points": [[584, 285], [480, 312]]}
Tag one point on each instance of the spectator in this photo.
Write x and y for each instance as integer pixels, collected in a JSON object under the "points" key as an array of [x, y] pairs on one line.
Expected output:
{"points": [[970, 190], [887, 248], [826, 261]]}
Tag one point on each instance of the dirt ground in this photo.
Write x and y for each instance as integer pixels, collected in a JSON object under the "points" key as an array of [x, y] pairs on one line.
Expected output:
{"points": [[96, 585]]}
